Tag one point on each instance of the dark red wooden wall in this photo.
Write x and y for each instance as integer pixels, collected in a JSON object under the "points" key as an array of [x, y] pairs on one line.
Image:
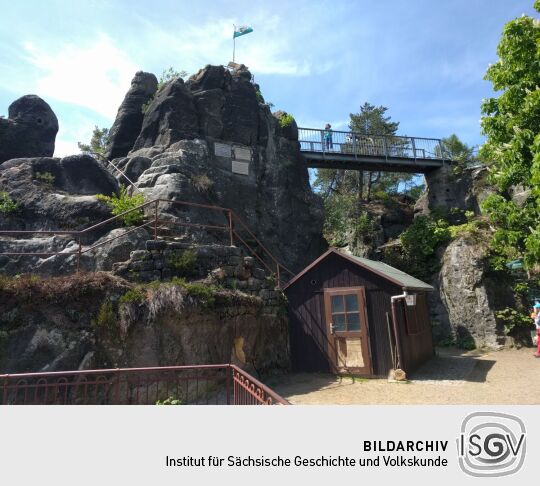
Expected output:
{"points": [[308, 337]]}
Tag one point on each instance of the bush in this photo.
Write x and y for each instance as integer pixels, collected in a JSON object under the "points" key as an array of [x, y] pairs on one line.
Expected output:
{"points": [[124, 202], [286, 120], [106, 318], [419, 243], [364, 226], [135, 295], [202, 182], [184, 263], [465, 342], [45, 177], [204, 293], [472, 229], [513, 319], [7, 205], [425, 235]]}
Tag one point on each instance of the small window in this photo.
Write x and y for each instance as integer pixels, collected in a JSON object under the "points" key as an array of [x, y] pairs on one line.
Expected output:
{"points": [[345, 312]]}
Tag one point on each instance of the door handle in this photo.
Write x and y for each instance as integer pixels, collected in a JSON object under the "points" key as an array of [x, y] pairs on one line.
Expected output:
{"points": [[332, 328]]}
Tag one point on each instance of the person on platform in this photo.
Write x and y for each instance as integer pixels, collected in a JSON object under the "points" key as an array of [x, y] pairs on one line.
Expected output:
{"points": [[328, 137]]}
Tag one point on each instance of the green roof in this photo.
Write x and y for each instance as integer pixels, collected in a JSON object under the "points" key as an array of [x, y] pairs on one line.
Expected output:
{"points": [[397, 277], [404, 279]]}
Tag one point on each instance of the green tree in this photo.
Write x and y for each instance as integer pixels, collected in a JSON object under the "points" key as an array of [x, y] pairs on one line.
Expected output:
{"points": [[170, 74], [372, 120], [345, 192], [166, 76], [453, 148], [511, 123], [98, 143]]}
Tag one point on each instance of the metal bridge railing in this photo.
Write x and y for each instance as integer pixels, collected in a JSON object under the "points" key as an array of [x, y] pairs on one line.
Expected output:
{"points": [[357, 144], [223, 384]]}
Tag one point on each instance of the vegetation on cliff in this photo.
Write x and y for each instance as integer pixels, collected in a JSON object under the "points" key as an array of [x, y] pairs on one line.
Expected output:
{"points": [[511, 123]]}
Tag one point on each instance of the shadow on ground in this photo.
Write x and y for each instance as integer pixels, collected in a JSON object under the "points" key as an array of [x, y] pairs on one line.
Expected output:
{"points": [[449, 366], [303, 383], [453, 365]]}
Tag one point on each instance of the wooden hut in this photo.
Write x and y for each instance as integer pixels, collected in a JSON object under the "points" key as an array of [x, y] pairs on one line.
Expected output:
{"points": [[353, 315]]}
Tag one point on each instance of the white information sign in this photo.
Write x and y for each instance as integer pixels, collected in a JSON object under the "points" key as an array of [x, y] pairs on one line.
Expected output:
{"points": [[242, 153], [240, 167], [222, 150]]}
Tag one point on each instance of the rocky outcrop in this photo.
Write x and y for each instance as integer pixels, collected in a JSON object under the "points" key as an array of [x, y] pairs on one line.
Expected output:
{"points": [[57, 194], [29, 131], [449, 189], [129, 120], [171, 117], [383, 221], [53, 193], [470, 295], [175, 157], [56, 324]]}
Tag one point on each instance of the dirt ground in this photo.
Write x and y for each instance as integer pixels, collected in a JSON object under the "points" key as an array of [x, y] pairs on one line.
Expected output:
{"points": [[453, 377]]}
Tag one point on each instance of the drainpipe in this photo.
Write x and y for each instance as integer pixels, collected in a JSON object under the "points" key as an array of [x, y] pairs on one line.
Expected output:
{"points": [[393, 301]]}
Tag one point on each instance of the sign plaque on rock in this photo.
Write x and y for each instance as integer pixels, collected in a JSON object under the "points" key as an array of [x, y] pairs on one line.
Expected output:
{"points": [[242, 153], [240, 167], [222, 150]]}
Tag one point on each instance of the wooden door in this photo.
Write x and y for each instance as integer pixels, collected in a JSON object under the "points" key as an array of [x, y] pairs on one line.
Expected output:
{"points": [[347, 330]]}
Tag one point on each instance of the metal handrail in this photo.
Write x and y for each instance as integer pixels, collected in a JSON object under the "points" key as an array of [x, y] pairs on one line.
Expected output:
{"points": [[231, 217], [355, 143], [63, 386], [132, 184], [280, 265]]}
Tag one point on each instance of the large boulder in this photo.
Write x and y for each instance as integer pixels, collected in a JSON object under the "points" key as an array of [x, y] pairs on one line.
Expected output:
{"points": [[53, 193], [471, 295], [129, 120], [29, 131], [450, 188]]}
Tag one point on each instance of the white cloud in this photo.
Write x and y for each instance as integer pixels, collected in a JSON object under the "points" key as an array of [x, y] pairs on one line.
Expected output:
{"points": [[63, 147], [268, 50], [96, 75], [78, 128]]}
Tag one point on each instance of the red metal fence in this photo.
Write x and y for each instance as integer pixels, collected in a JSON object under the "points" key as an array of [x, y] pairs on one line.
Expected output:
{"points": [[187, 385]]}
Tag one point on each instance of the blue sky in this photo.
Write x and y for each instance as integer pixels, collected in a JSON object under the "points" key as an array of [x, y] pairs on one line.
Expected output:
{"points": [[319, 60]]}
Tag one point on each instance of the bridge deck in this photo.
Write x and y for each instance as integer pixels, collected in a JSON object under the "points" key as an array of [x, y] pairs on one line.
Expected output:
{"points": [[350, 150]]}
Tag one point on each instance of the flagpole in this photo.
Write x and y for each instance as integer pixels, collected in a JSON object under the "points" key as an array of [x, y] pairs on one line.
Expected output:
{"points": [[233, 43]]}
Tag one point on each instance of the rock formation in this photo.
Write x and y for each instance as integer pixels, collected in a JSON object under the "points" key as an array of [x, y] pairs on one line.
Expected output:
{"points": [[128, 123], [207, 140], [463, 307], [164, 325], [471, 295], [179, 155], [449, 189], [29, 131]]}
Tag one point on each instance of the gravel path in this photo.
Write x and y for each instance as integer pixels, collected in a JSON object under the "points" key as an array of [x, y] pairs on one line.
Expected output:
{"points": [[453, 377]]}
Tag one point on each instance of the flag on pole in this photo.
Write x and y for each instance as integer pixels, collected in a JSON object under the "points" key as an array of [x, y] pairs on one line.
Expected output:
{"points": [[241, 30]]}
